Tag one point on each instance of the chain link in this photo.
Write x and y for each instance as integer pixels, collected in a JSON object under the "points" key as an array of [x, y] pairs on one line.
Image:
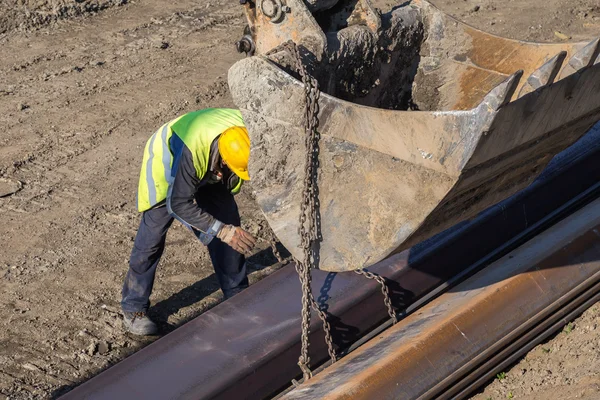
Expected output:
{"points": [[272, 240], [309, 229], [276, 252], [384, 289]]}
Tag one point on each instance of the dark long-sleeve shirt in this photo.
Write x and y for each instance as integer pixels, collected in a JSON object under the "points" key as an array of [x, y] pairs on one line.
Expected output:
{"points": [[185, 183]]}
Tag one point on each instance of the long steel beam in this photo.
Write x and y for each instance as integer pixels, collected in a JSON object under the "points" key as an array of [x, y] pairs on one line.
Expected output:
{"points": [[564, 313], [420, 356], [247, 347]]}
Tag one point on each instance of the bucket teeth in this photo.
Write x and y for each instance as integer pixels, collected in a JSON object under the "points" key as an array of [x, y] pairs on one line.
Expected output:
{"points": [[584, 58], [503, 93], [544, 75]]}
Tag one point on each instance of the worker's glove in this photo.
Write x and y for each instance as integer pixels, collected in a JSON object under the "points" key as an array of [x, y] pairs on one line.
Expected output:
{"points": [[240, 240]]}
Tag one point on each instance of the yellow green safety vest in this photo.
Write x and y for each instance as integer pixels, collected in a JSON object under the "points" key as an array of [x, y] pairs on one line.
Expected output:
{"points": [[197, 130]]}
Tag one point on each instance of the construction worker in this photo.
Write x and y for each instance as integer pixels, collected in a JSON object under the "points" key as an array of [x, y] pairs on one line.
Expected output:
{"points": [[191, 169]]}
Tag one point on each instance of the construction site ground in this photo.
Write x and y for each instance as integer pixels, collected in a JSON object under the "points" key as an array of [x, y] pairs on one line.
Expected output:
{"points": [[82, 86]]}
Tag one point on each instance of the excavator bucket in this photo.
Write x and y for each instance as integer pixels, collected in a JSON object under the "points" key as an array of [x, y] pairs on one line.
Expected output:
{"points": [[424, 121]]}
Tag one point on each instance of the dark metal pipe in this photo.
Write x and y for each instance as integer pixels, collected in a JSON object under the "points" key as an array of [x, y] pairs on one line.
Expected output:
{"points": [[247, 347]]}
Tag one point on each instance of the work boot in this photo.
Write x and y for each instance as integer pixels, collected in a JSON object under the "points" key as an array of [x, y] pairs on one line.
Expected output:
{"points": [[138, 323]]}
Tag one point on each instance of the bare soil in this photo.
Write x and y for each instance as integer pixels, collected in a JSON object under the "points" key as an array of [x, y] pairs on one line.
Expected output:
{"points": [[82, 86]]}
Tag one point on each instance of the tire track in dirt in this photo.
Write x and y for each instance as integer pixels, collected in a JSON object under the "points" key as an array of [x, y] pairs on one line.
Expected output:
{"points": [[78, 99], [57, 148], [27, 14], [65, 78], [84, 129]]}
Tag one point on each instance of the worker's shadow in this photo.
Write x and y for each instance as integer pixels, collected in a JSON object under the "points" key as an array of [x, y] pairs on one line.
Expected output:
{"points": [[203, 288]]}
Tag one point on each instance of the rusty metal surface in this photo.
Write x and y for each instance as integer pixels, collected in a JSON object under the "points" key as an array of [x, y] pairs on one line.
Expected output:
{"points": [[473, 62], [414, 355], [488, 113], [547, 325], [296, 24], [414, 173], [247, 347]]}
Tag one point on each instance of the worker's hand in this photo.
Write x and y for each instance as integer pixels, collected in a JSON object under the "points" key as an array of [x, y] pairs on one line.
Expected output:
{"points": [[240, 240]]}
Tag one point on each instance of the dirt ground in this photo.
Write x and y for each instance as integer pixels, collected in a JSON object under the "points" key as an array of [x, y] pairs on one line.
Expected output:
{"points": [[82, 86]]}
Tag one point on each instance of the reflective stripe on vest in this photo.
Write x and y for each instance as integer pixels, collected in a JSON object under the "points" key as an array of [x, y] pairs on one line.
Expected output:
{"points": [[155, 174], [197, 130]]}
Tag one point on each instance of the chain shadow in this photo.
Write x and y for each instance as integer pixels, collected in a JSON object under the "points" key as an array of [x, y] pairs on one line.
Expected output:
{"points": [[343, 334]]}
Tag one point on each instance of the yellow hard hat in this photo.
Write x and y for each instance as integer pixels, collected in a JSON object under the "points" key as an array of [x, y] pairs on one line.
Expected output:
{"points": [[234, 147]]}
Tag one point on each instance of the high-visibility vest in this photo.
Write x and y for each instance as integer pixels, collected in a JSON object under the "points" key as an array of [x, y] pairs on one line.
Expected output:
{"points": [[197, 130]]}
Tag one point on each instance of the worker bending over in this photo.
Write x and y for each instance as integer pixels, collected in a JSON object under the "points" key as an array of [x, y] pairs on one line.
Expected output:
{"points": [[191, 169]]}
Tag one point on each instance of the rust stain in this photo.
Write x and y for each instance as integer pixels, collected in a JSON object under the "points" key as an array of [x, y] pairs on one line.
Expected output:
{"points": [[507, 56], [474, 84], [269, 35], [494, 58]]}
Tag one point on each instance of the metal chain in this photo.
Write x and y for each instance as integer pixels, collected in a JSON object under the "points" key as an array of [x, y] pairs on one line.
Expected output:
{"points": [[272, 240], [308, 220], [276, 252], [384, 289], [326, 328]]}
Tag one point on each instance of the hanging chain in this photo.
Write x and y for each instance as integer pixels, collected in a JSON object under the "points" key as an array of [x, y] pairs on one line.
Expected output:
{"points": [[308, 228], [308, 221], [276, 252], [272, 240], [384, 289], [326, 328]]}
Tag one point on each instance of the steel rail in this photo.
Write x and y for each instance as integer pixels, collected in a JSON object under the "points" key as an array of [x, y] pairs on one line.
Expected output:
{"points": [[523, 345], [462, 388], [247, 347], [463, 328], [554, 216]]}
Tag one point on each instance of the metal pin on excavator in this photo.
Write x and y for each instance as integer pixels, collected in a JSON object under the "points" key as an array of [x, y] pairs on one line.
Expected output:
{"points": [[424, 121]]}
